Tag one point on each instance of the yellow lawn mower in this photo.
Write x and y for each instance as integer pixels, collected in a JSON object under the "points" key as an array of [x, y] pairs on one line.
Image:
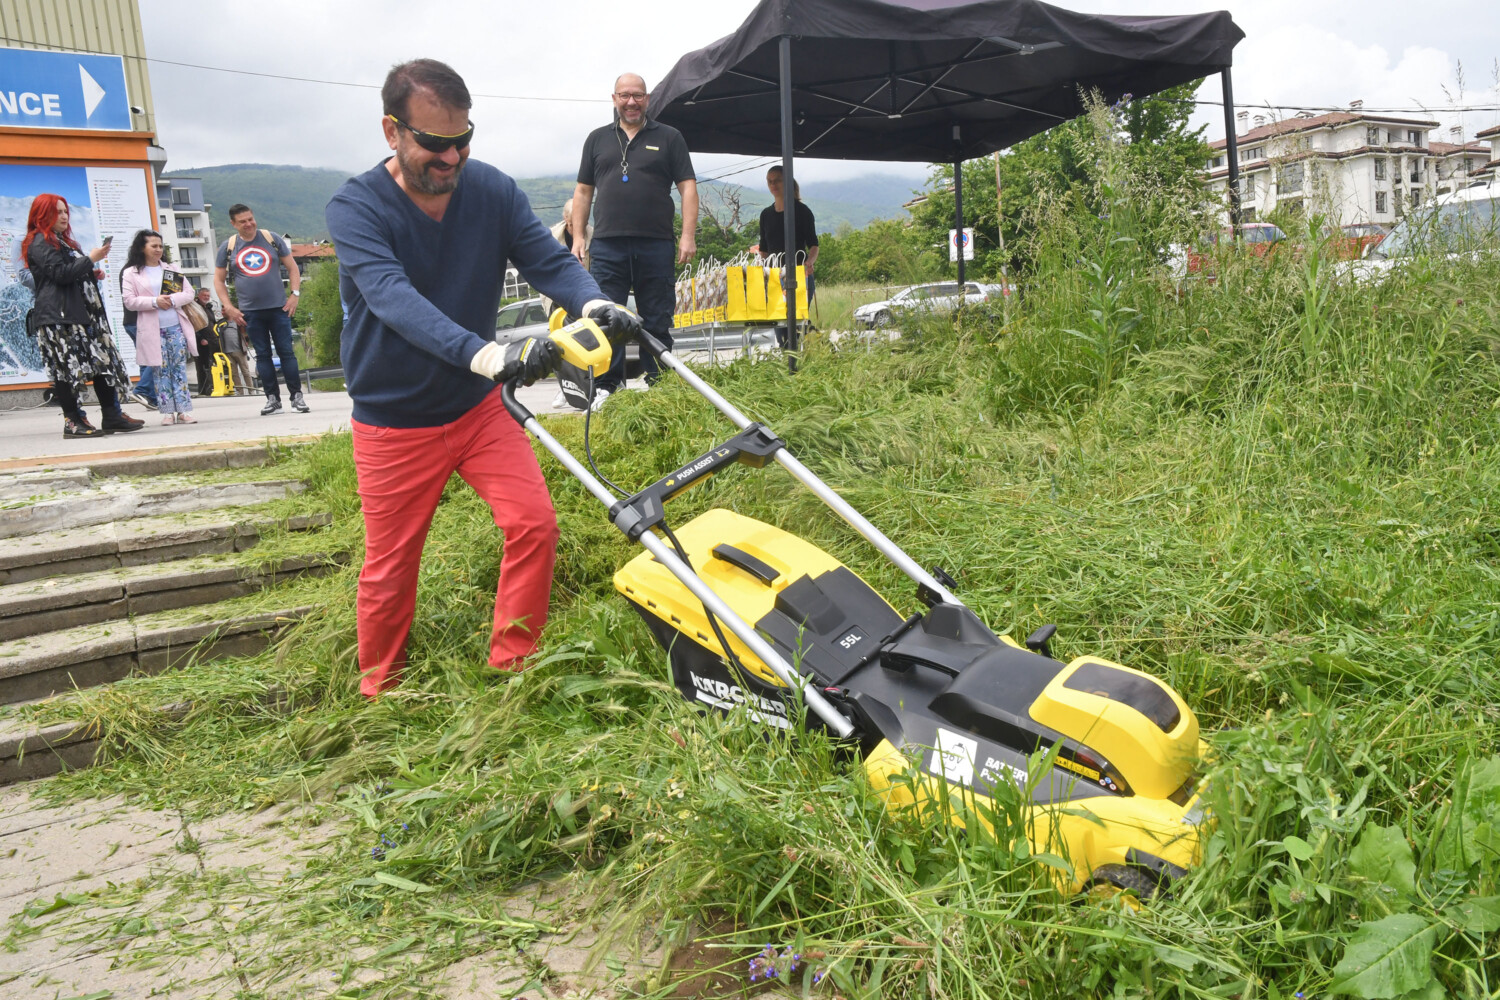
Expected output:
{"points": [[941, 708]]}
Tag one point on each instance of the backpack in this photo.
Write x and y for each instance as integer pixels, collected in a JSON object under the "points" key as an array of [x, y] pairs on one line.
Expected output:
{"points": [[267, 236]]}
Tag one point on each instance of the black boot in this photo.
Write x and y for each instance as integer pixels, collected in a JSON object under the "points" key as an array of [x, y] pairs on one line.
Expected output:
{"points": [[80, 429], [119, 423]]}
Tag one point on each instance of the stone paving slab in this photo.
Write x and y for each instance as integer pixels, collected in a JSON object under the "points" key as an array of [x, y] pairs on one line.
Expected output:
{"points": [[129, 501], [80, 858], [149, 903]]}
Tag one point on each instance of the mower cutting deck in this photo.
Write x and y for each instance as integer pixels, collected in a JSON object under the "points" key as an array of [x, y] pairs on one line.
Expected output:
{"points": [[945, 713]]}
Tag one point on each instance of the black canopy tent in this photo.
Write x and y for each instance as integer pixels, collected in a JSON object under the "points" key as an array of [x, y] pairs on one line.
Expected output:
{"points": [[925, 80]]}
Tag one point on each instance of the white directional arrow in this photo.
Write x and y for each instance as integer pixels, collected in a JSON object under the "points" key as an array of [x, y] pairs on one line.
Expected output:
{"points": [[92, 92]]}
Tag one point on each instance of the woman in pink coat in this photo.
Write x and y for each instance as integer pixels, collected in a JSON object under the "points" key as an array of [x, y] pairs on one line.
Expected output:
{"points": [[157, 292]]}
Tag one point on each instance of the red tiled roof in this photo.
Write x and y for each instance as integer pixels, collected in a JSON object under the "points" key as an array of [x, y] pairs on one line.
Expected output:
{"points": [[326, 249], [1449, 148], [1328, 120], [1488, 133]]}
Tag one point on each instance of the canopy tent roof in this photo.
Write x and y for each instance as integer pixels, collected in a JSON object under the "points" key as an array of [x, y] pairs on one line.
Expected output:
{"points": [[889, 79]]}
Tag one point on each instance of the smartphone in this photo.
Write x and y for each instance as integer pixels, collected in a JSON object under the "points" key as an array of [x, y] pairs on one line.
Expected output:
{"points": [[109, 239]]}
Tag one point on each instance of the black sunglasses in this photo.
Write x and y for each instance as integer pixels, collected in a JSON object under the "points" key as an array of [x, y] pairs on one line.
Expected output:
{"points": [[434, 143]]}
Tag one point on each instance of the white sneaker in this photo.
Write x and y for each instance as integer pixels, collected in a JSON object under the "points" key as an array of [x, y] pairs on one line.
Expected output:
{"points": [[600, 395], [560, 401]]}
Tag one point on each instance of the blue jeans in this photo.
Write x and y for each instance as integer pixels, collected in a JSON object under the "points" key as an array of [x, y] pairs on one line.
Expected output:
{"points": [[146, 387], [264, 326], [622, 264]]}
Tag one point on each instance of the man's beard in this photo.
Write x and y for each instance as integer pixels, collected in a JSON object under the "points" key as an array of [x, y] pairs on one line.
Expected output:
{"points": [[417, 178]]}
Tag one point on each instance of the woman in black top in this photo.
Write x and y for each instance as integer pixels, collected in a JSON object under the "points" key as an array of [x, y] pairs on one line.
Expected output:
{"points": [[773, 226], [773, 234], [71, 327]]}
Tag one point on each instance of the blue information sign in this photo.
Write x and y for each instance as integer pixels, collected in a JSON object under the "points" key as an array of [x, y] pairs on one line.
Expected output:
{"points": [[41, 89]]}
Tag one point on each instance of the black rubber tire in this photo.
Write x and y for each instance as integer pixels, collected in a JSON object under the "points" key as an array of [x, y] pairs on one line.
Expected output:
{"points": [[1124, 878]]}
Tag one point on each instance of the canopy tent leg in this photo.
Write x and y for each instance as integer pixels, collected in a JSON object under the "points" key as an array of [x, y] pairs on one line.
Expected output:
{"points": [[789, 199], [958, 205], [1232, 153]]}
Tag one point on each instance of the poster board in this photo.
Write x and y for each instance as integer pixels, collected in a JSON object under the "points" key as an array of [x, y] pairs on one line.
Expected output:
{"points": [[101, 201]]}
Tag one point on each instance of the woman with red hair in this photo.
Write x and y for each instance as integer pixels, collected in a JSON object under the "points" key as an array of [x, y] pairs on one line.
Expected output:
{"points": [[71, 326]]}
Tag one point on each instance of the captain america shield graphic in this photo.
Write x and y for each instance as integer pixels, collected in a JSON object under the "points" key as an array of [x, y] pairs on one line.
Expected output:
{"points": [[253, 262]]}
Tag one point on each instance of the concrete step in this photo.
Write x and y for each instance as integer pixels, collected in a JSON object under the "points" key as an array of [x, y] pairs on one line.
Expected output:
{"points": [[61, 602], [40, 752], [19, 485], [89, 655], [137, 542], [155, 461], [124, 501]]}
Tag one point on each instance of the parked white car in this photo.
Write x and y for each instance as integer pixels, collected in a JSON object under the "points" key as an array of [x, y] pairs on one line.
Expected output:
{"points": [[1464, 222], [941, 296]]}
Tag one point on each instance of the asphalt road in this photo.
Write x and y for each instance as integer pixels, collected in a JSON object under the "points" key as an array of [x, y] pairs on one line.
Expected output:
{"points": [[32, 435]]}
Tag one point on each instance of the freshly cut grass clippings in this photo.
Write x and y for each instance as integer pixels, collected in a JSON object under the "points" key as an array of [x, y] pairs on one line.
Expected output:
{"points": [[1280, 492]]}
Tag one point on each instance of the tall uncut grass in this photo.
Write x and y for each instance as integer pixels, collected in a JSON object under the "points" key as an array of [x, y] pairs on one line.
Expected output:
{"points": [[1277, 491]]}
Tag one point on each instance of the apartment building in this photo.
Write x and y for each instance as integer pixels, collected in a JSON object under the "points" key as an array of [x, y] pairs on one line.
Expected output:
{"points": [[1348, 166], [1458, 164], [185, 229], [1492, 135]]}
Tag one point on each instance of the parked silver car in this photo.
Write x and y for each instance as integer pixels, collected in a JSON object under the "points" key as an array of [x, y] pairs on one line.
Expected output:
{"points": [[519, 320], [940, 296]]}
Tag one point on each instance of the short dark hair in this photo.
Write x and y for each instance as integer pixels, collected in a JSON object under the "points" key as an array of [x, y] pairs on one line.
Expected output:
{"points": [[238, 209], [427, 74]]}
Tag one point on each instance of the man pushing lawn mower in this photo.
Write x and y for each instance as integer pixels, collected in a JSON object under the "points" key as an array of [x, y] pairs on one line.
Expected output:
{"points": [[423, 241], [950, 719]]}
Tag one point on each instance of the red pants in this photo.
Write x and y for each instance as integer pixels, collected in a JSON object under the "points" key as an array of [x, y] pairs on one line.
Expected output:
{"points": [[402, 472]]}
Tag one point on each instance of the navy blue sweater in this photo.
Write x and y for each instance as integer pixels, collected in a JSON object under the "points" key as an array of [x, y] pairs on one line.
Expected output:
{"points": [[423, 295]]}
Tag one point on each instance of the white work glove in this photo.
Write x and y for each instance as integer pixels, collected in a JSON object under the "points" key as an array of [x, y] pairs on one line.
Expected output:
{"points": [[530, 358]]}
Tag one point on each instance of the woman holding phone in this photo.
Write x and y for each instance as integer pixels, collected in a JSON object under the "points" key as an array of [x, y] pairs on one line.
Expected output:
{"points": [[71, 326], [157, 291]]}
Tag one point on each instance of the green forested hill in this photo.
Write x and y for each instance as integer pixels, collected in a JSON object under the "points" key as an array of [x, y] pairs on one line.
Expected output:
{"points": [[291, 199], [286, 199]]}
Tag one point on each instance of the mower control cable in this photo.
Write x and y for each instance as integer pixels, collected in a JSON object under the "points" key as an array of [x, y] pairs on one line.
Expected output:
{"points": [[588, 452], [713, 621]]}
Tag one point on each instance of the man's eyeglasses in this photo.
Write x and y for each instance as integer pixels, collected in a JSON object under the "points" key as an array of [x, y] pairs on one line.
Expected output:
{"points": [[627, 98], [432, 141]]}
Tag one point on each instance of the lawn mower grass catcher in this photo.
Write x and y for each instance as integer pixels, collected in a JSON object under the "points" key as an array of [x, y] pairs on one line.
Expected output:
{"points": [[940, 707]]}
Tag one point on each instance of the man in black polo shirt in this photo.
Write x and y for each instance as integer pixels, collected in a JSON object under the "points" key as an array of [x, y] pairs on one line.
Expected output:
{"points": [[632, 164]]}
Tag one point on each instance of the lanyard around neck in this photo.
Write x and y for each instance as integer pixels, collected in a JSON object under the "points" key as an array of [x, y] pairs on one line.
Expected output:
{"points": [[624, 153]]}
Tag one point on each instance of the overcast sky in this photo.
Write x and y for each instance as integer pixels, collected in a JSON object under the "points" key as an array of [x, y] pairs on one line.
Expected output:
{"points": [[1296, 52]]}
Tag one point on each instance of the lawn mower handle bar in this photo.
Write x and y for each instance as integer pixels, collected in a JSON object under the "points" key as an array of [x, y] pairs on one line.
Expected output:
{"points": [[807, 478], [664, 554], [800, 472]]}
